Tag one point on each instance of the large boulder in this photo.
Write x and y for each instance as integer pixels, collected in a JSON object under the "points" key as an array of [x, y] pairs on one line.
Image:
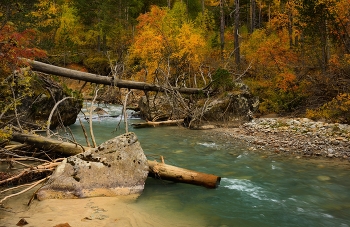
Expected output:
{"points": [[116, 167]]}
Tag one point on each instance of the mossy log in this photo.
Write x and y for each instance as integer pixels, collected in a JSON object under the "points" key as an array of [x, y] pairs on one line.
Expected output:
{"points": [[156, 169]]}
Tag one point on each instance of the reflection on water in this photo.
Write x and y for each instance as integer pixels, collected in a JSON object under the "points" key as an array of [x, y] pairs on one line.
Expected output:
{"points": [[254, 191]]}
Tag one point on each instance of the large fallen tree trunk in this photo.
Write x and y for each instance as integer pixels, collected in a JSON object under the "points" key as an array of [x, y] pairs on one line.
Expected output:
{"points": [[89, 77], [156, 169]]}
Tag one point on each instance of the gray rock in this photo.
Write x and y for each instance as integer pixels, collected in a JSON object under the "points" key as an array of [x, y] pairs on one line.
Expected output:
{"points": [[330, 151], [117, 167]]}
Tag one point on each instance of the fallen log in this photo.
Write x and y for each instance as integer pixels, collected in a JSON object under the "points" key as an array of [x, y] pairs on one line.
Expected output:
{"points": [[177, 174], [156, 169], [65, 148], [94, 78], [148, 124]]}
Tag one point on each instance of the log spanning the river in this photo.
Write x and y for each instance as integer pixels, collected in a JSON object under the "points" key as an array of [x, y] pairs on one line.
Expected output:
{"points": [[94, 78], [156, 169]]}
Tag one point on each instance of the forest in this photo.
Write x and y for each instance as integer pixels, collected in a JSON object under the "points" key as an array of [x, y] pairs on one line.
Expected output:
{"points": [[293, 54]]}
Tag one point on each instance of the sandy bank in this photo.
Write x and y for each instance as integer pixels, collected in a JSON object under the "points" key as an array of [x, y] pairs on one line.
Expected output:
{"points": [[90, 212]]}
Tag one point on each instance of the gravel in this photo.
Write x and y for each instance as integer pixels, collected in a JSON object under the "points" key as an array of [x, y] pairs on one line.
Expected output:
{"points": [[291, 136]]}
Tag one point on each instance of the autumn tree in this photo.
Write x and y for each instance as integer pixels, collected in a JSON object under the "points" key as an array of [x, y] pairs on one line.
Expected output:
{"points": [[168, 48], [14, 45], [272, 75]]}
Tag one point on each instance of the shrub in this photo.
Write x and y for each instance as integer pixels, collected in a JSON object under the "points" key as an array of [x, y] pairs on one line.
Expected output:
{"points": [[337, 110], [97, 64], [222, 80]]}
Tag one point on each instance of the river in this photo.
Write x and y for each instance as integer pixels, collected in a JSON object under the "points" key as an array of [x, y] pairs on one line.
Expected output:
{"points": [[254, 190]]}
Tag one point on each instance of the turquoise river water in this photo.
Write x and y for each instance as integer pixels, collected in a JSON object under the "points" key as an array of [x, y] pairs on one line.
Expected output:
{"points": [[254, 191]]}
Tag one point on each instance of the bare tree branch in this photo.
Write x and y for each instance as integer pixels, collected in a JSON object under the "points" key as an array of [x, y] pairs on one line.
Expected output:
{"points": [[51, 114]]}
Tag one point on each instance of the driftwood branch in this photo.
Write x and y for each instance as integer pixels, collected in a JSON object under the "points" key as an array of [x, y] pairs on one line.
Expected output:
{"points": [[157, 123], [125, 113], [51, 114], [84, 132], [90, 120], [23, 191]]}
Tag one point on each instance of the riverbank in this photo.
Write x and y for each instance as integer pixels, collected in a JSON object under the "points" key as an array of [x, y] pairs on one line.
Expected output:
{"points": [[300, 137]]}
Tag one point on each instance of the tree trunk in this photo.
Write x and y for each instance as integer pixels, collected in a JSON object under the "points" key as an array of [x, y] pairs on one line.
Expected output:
{"points": [[156, 170], [236, 36], [222, 28], [169, 4], [252, 15], [93, 78], [203, 7]]}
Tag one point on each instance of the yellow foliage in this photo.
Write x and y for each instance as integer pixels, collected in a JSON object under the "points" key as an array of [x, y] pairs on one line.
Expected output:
{"points": [[5, 133], [48, 10], [190, 45], [165, 41], [212, 2], [338, 110], [70, 29]]}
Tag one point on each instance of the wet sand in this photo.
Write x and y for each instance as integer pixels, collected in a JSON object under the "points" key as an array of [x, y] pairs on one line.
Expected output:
{"points": [[89, 212]]}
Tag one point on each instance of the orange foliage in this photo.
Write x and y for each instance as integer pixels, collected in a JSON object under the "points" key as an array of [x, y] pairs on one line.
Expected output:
{"points": [[270, 53], [286, 81], [152, 19], [15, 44]]}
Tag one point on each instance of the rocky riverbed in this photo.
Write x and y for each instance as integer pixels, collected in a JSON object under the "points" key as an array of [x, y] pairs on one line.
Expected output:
{"points": [[301, 137]]}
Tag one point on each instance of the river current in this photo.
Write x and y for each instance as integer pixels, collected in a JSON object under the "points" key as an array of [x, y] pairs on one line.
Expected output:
{"points": [[254, 190]]}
